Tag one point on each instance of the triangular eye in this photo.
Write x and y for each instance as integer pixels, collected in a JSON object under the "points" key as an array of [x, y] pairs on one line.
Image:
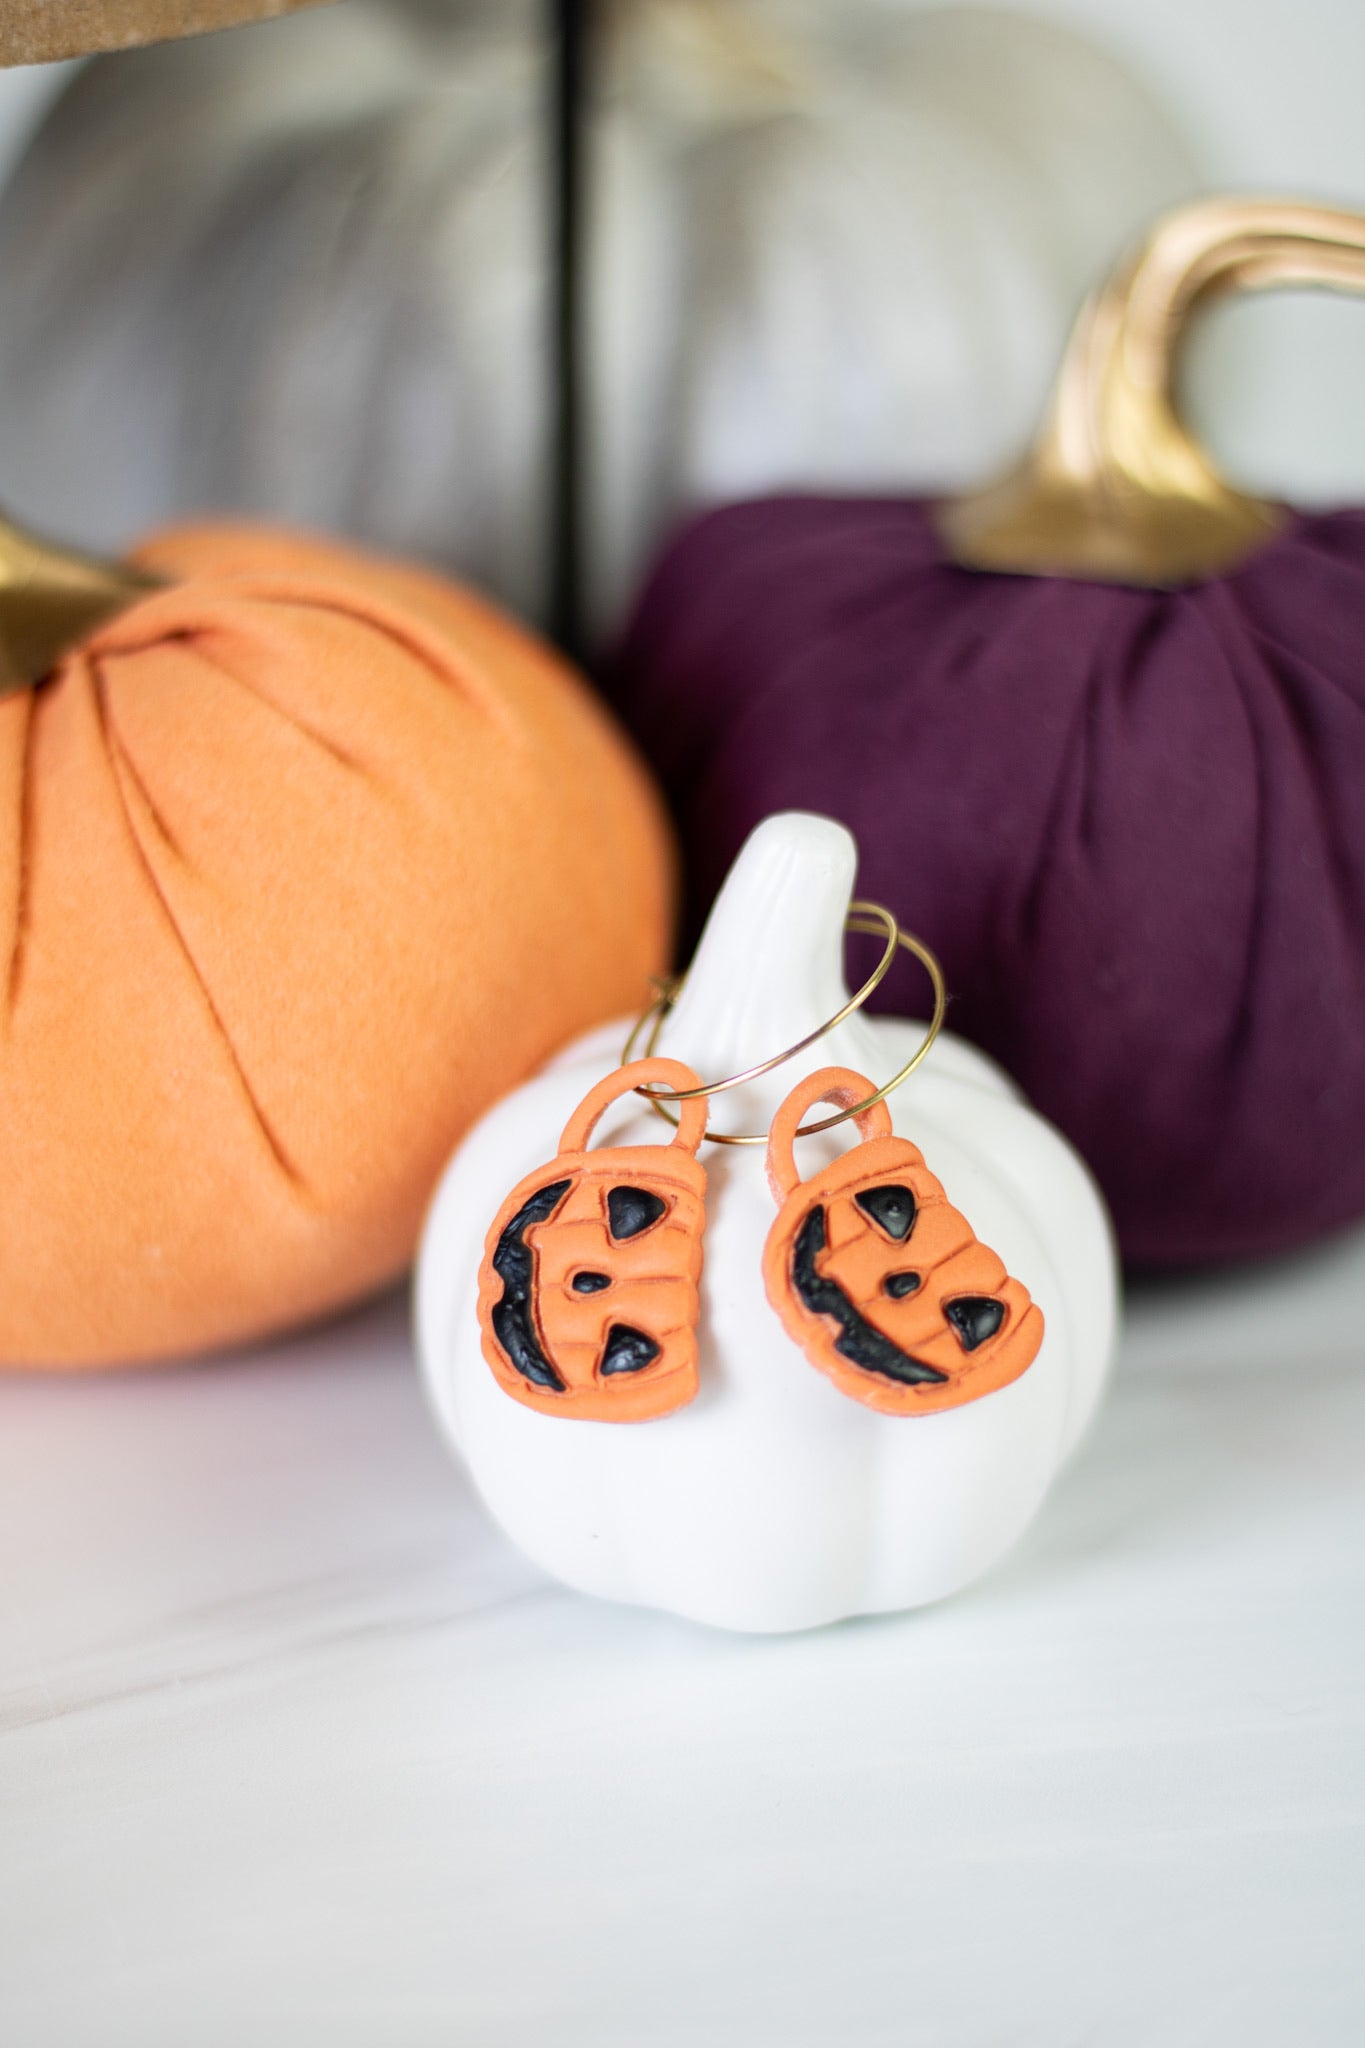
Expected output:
{"points": [[975, 1317], [631, 1210], [628, 1350], [892, 1207]]}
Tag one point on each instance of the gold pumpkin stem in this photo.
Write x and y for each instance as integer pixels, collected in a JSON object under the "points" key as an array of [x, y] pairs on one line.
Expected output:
{"points": [[50, 597], [36, 31], [1115, 489]]}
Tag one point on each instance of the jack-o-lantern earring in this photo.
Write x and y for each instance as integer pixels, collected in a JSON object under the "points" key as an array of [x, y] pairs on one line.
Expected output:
{"points": [[589, 1287], [884, 1285]]}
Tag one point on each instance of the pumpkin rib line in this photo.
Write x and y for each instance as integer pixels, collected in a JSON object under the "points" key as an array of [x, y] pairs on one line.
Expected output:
{"points": [[467, 675], [379, 615], [193, 637], [1266, 638], [1239, 1033], [759, 710], [1276, 663], [113, 753], [124, 760], [24, 890], [1073, 764]]}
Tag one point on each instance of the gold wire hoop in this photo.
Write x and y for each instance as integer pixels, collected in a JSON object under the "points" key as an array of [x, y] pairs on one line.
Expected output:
{"points": [[861, 916], [856, 921]]}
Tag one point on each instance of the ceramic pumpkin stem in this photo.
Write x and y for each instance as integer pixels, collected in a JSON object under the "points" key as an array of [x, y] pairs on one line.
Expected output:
{"points": [[770, 965], [50, 598], [1115, 488]]}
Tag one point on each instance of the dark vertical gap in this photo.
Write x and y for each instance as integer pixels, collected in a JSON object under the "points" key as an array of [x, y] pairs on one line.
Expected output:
{"points": [[568, 22]]}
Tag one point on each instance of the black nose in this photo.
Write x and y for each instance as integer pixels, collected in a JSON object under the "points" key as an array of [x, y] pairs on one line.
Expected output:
{"points": [[898, 1285], [590, 1283]]}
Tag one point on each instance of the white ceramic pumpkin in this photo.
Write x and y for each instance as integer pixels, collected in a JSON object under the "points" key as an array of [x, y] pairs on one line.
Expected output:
{"points": [[301, 270], [772, 1501]]}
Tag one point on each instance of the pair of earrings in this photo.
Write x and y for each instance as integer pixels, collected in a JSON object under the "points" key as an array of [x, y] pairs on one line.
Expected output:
{"points": [[589, 1291]]}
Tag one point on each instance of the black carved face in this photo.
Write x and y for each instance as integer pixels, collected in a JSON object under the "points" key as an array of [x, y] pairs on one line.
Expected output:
{"points": [[892, 1280], [858, 1340], [598, 1287]]}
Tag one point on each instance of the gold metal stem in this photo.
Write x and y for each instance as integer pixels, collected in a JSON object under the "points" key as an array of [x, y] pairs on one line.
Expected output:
{"points": [[35, 31], [50, 597], [1115, 488]]}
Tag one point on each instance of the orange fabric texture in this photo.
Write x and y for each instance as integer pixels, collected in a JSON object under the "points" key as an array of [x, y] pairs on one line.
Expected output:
{"points": [[304, 861], [884, 1285], [589, 1291]]}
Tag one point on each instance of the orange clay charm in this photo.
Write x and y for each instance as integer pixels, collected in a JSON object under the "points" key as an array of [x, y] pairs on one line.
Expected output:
{"points": [[588, 1291], [883, 1284]]}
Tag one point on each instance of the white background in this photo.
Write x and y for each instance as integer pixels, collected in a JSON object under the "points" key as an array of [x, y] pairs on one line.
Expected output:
{"points": [[294, 1749]]}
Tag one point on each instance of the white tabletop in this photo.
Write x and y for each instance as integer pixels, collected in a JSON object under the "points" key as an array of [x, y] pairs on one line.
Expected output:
{"points": [[294, 1748]]}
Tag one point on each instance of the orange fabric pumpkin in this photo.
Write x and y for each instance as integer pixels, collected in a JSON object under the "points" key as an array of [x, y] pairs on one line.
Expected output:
{"points": [[304, 861]]}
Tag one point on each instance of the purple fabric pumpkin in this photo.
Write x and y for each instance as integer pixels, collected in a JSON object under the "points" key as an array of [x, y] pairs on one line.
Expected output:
{"points": [[1131, 821]]}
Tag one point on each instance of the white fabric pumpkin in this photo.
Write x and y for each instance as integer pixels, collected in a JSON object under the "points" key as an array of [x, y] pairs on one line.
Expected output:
{"points": [[772, 1501], [301, 270]]}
